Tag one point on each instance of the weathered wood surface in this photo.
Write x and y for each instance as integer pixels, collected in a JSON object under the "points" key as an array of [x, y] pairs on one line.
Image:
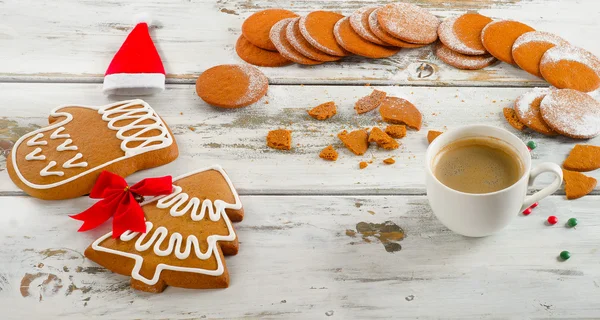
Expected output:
{"points": [[236, 138], [74, 41], [304, 257]]}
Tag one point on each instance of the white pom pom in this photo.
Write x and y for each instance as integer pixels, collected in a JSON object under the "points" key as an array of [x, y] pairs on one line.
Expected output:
{"points": [[143, 17]]}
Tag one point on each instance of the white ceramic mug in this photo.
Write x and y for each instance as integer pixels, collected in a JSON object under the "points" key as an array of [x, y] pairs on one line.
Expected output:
{"points": [[478, 215]]}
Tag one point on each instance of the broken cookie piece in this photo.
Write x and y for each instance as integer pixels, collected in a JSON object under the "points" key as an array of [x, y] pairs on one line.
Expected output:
{"points": [[396, 131], [577, 184], [370, 102], [329, 154], [400, 111], [382, 139], [323, 111], [389, 161], [432, 134], [280, 139], [356, 141]]}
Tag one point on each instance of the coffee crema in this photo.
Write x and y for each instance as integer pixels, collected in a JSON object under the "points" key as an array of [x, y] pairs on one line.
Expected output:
{"points": [[478, 165]]}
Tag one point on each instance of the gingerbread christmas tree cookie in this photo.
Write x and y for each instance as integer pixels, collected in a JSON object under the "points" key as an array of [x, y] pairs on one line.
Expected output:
{"points": [[188, 233]]}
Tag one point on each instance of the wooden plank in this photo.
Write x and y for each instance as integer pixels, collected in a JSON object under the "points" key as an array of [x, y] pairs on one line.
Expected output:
{"points": [[303, 258], [236, 138], [73, 41]]}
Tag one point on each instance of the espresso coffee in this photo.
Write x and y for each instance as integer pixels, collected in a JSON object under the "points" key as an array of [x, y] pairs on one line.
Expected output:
{"points": [[478, 165]]}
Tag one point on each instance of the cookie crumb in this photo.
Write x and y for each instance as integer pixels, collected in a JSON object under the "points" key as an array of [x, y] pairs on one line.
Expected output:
{"points": [[362, 165], [280, 139], [389, 161], [323, 111], [329, 154]]}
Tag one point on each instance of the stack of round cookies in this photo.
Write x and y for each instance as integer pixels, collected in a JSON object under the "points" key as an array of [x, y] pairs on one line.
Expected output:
{"points": [[277, 37]]}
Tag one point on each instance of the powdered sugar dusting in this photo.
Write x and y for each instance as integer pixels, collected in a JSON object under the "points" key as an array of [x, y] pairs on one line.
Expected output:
{"points": [[449, 37], [257, 82], [539, 36], [357, 20], [572, 113], [523, 103], [462, 61], [571, 53], [409, 22]]}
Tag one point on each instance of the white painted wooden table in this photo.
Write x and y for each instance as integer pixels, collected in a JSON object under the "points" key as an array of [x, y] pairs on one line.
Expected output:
{"points": [[302, 254]]}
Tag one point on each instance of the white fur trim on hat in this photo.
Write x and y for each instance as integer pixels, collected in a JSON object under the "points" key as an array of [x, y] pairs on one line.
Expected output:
{"points": [[133, 83], [143, 17]]}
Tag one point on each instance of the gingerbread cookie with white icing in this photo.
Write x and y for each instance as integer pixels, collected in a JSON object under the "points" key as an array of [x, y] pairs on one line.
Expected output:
{"points": [[63, 160], [188, 233]]}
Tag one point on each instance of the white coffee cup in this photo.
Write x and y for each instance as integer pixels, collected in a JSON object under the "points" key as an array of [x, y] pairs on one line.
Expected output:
{"points": [[478, 215]]}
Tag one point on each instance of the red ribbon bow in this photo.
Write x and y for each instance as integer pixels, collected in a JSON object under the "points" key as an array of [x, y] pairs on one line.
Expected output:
{"points": [[120, 201]]}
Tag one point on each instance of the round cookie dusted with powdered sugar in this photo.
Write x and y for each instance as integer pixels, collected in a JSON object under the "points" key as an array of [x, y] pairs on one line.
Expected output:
{"points": [[528, 49], [257, 56], [408, 22], [463, 61], [295, 38], [359, 21], [463, 33], [231, 85], [317, 29], [279, 39], [257, 26], [351, 41], [527, 107], [571, 113], [498, 38], [376, 28], [569, 67]]}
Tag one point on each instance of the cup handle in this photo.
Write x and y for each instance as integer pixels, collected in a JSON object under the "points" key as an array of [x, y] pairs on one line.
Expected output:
{"points": [[542, 168]]}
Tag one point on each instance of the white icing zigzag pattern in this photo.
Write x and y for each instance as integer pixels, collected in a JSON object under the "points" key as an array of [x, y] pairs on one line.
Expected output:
{"points": [[51, 165], [33, 155], [124, 112], [180, 203], [69, 163], [34, 141]]}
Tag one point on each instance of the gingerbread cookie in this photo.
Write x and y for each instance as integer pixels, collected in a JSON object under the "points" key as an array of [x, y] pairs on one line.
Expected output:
{"points": [[382, 139], [280, 139], [396, 131], [463, 61], [498, 38], [256, 28], [231, 85], [577, 184], [359, 21], [583, 158], [370, 102], [323, 111], [408, 22], [188, 233], [279, 39], [462, 34], [296, 39], [352, 42], [568, 67], [528, 49], [356, 141], [329, 154], [527, 109], [63, 160], [317, 29], [571, 113], [257, 56], [432, 134], [378, 31], [400, 111], [511, 117]]}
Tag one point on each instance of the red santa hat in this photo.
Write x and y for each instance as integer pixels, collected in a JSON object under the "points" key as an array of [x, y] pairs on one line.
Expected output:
{"points": [[136, 69]]}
